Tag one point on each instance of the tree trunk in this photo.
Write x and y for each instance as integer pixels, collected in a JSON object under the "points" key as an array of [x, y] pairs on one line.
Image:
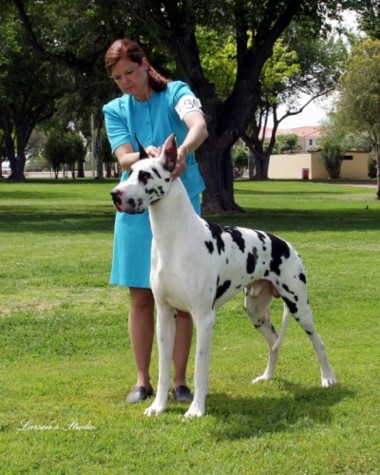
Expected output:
{"points": [[378, 170], [99, 154], [6, 125], [251, 167], [17, 170], [262, 166], [81, 173], [261, 159], [215, 164]]}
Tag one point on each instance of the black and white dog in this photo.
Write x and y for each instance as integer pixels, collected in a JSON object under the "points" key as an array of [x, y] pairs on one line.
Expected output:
{"points": [[198, 266]]}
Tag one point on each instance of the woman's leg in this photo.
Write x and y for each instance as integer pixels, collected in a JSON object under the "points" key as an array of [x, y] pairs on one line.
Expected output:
{"points": [[141, 332], [182, 344]]}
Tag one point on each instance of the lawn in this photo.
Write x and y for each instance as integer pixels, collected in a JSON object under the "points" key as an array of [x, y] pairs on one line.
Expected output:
{"points": [[66, 363]]}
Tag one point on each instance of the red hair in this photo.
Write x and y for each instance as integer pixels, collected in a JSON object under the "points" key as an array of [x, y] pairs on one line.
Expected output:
{"points": [[127, 49]]}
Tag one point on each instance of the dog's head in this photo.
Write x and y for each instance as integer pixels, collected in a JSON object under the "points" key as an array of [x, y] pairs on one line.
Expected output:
{"points": [[148, 181]]}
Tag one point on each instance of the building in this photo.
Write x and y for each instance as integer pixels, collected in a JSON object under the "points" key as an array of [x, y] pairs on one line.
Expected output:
{"points": [[308, 136], [309, 165]]}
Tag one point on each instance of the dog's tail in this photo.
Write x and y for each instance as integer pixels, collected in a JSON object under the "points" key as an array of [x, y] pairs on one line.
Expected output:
{"points": [[284, 327]]}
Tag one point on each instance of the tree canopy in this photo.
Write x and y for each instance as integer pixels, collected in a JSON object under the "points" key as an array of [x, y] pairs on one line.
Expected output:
{"points": [[359, 103], [171, 34]]}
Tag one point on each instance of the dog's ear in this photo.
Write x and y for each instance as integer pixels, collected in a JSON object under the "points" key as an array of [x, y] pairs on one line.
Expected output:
{"points": [[142, 150], [169, 153]]}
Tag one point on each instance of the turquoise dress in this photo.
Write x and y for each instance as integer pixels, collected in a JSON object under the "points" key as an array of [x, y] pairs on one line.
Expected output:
{"points": [[152, 121]]}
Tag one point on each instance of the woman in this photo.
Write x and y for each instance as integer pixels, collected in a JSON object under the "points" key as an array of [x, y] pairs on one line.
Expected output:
{"points": [[151, 108]]}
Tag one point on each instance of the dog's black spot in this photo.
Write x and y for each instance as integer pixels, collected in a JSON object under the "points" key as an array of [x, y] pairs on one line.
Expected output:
{"points": [[286, 288], [266, 273], [221, 289], [216, 232], [155, 191], [132, 203], [251, 261], [261, 236], [144, 176], [210, 246], [237, 237], [302, 277], [308, 332], [259, 323], [280, 249], [291, 305], [156, 172]]}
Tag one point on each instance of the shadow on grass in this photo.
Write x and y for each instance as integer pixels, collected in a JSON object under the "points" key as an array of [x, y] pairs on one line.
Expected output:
{"points": [[305, 220], [101, 219], [276, 192], [82, 220], [298, 410]]}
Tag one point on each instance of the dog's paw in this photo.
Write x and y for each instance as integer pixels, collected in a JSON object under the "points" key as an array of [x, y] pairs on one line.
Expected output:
{"points": [[263, 377], [155, 409], [193, 414], [194, 411], [328, 381]]}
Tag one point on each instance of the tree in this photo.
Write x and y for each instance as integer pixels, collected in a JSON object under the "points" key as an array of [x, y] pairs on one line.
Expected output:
{"points": [[359, 104], [300, 64], [369, 11], [286, 142], [170, 29], [63, 150], [28, 88]]}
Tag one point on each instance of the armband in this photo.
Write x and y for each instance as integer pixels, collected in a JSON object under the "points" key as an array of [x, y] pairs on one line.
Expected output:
{"points": [[188, 104]]}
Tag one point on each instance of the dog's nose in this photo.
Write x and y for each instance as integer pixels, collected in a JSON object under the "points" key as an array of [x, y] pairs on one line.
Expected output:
{"points": [[116, 197]]}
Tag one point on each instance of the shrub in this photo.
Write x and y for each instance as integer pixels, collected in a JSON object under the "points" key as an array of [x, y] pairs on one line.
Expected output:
{"points": [[332, 154]]}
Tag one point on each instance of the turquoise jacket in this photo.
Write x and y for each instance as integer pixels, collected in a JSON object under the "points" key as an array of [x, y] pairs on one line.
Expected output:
{"points": [[152, 121]]}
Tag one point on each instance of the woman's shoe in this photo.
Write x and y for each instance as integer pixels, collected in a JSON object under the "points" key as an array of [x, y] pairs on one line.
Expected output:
{"points": [[182, 394], [138, 394]]}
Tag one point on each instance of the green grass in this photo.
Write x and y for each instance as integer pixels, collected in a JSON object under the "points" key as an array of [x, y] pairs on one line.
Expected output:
{"points": [[66, 365]]}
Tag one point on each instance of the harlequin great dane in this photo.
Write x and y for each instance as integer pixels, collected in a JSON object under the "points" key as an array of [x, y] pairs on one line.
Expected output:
{"points": [[198, 266]]}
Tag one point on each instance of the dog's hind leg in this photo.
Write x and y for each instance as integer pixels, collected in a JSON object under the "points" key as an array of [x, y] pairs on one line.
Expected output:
{"points": [[204, 327], [257, 302], [304, 317], [165, 341]]}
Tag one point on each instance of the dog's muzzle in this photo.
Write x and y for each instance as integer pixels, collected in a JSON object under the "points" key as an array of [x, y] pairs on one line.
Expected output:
{"points": [[116, 198], [129, 206]]}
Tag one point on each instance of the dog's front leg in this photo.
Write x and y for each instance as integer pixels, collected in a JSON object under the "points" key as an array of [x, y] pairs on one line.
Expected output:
{"points": [[165, 340], [204, 326]]}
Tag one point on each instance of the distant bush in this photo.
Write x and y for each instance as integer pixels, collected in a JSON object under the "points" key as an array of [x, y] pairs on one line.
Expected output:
{"points": [[332, 155], [63, 150]]}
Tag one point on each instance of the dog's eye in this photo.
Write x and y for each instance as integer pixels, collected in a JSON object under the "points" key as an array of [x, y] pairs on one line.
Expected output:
{"points": [[143, 177]]}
